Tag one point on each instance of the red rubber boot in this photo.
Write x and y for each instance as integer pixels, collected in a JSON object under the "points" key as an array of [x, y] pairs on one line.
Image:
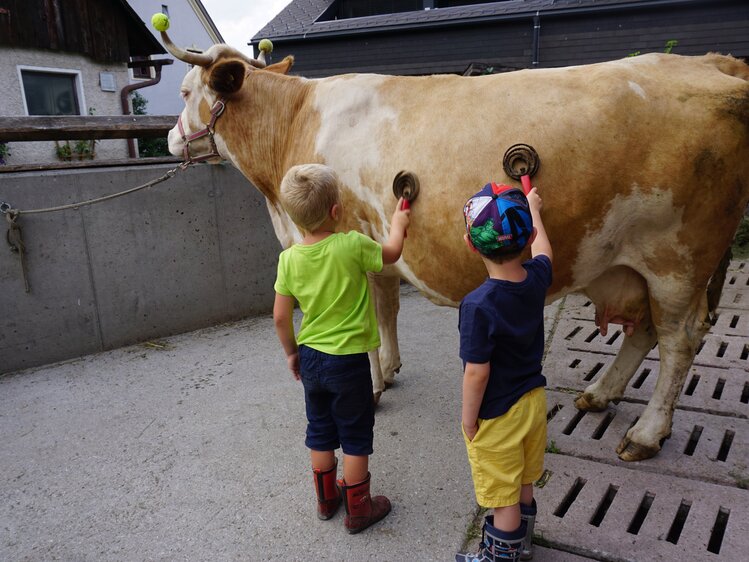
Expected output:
{"points": [[362, 510], [328, 494]]}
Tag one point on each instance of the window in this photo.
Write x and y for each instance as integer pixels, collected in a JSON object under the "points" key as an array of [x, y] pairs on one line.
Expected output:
{"points": [[51, 91], [141, 72]]}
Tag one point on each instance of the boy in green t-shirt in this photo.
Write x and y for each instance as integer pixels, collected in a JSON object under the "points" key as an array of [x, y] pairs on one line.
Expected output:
{"points": [[327, 274]]}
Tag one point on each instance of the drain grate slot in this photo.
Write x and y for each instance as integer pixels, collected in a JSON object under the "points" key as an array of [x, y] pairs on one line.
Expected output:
{"points": [[719, 530], [553, 412], [641, 379], [641, 513], [714, 319], [693, 439], [592, 335], [613, 338], [745, 352], [573, 333], [593, 372], [732, 280], [603, 507], [745, 394], [570, 497], [573, 422], [699, 347], [734, 321], [722, 349], [725, 445], [693, 382], [574, 363], [603, 426], [719, 386], [678, 525]]}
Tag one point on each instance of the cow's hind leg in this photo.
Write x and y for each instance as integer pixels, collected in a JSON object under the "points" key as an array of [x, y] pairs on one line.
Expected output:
{"points": [[385, 361], [387, 302], [679, 333], [612, 383]]}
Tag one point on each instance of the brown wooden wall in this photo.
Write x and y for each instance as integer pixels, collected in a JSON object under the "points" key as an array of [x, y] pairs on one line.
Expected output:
{"points": [[101, 29], [564, 40]]}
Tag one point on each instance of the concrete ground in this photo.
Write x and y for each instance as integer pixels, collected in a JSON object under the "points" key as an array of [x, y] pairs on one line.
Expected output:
{"points": [[192, 448]]}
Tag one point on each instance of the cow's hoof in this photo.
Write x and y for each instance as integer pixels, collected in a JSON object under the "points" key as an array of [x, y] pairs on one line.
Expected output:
{"points": [[376, 397], [630, 451], [585, 402]]}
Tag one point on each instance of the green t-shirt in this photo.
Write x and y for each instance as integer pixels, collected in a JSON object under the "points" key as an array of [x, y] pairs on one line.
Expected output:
{"points": [[329, 280]]}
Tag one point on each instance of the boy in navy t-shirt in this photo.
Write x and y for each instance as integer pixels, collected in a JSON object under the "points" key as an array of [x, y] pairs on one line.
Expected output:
{"points": [[501, 345]]}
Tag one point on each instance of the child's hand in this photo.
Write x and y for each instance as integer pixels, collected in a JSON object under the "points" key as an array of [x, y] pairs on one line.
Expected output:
{"points": [[293, 362], [401, 217], [534, 200], [471, 431]]}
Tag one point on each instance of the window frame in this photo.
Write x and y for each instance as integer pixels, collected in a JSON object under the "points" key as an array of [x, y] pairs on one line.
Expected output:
{"points": [[78, 80]]}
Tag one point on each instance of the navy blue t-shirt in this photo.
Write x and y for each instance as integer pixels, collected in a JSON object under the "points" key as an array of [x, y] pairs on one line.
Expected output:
{"points": [[502, 323]]}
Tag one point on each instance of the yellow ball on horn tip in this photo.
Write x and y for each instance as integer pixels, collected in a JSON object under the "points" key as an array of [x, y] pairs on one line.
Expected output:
{"points": [[160, 22], [265, 46]]}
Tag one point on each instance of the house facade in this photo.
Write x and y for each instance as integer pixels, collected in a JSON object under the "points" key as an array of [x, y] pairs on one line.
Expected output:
{"points": [[67, 58], [418, 37], [191, 27]]}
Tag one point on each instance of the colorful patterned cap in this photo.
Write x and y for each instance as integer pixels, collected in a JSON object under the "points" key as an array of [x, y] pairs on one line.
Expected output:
{"points": [[498, 220]]}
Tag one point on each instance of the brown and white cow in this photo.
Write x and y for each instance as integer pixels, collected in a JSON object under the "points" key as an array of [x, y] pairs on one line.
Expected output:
{"points": [[644, 176]]}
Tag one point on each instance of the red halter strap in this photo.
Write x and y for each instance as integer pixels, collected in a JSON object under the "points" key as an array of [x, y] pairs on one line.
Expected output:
{"points": [[216, 111]]}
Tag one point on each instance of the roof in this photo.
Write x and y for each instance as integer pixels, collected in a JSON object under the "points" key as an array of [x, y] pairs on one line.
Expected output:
{"points": [[206, 21], [299, 18], [141, 41]]}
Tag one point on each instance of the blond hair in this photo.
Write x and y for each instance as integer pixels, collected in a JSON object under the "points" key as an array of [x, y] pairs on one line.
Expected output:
{"points": [[308, 192]]}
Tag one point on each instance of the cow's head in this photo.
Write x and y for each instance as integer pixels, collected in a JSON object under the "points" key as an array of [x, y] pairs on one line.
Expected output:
{"points": [[216, 79]]}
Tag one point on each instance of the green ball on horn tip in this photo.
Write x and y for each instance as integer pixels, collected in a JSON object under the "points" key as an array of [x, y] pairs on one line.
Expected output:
{"points": [[160, 22]]}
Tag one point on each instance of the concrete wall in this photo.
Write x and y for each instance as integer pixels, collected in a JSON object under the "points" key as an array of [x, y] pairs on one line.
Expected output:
{"points": [[103, 103], [194, 251]]}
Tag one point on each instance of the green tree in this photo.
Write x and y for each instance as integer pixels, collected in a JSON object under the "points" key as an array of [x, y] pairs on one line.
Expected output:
{"points": [[148, 147]]}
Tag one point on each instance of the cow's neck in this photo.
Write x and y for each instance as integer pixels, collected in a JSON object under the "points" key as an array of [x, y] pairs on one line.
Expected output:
{"points": [[262, 125]]}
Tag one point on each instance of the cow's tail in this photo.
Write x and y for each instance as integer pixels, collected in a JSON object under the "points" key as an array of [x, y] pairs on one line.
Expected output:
{"points": [[729, 65]]}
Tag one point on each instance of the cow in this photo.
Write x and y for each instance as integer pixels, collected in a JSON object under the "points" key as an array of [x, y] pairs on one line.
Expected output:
{"points": [[644, 176]]}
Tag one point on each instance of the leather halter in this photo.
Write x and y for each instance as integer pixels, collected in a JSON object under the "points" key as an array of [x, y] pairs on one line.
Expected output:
{"points": [[216, 111]]}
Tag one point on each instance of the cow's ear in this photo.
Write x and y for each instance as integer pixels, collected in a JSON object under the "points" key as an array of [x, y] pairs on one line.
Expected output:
{"points": [[282, 67], [227, 77]]}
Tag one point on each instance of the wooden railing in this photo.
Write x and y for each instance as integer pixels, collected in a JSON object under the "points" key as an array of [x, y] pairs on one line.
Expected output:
{"points": [[14, 129], [85, 127]]}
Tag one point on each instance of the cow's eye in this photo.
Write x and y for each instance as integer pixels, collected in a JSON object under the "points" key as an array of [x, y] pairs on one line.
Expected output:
{"points": [[184, 94]]}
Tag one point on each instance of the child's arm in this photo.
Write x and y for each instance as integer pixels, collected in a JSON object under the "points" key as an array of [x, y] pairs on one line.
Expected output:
{"points": [[283, 318], [541, 244], [475, 378], [392, 249]]}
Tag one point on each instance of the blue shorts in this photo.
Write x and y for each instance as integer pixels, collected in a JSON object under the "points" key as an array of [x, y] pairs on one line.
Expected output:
{"points": [[338, 396]]}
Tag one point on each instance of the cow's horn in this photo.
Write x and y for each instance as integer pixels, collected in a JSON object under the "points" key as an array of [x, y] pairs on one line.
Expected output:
{"points": [[199, 59]]}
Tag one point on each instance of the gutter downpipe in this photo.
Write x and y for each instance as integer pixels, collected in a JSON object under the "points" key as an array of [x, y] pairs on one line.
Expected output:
{"points": [[125, 92], [536, 39]]}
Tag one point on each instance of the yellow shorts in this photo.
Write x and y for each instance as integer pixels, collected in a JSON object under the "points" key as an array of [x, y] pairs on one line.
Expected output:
{"points": [[508, 451]]}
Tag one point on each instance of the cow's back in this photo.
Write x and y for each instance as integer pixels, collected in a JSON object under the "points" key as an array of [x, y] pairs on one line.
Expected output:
{"points": [[644, 161]]}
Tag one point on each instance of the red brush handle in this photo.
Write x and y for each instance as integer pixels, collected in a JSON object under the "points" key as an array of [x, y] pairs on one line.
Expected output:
{"points": [[526, 181], [406, 205]]}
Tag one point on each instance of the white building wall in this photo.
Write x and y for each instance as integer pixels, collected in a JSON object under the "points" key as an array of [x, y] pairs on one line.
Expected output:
{"points": [[187, 31], [103, 103]]}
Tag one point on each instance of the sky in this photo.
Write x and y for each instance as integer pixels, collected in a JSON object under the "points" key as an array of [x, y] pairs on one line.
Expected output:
{"points": [[239, 20]]}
